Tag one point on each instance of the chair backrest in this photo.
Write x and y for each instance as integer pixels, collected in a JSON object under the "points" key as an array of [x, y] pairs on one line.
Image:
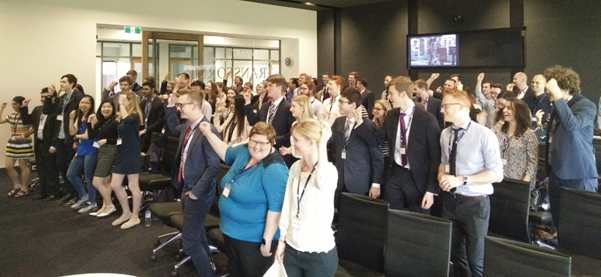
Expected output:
{"points": [[169, 154], [504, 257], [223, 169], [579, 229], [597, 148], [509, 209], [362, 230], [417, 245]]}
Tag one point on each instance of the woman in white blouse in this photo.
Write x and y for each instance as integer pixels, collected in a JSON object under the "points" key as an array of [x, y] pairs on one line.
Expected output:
{"points": [[307, 246]]}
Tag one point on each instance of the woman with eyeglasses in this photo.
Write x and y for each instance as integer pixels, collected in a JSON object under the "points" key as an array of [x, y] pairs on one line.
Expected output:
{"points": [[381, 108], [251, 200], [518, 142]]}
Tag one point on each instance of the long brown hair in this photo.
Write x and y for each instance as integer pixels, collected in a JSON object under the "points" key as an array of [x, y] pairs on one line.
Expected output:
{"points": [[507, 95], [521, 112]]}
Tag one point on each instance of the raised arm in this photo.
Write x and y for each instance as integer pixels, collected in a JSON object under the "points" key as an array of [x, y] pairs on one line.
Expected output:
{"points": [[216, 143], [24, 112], [433, 77]]}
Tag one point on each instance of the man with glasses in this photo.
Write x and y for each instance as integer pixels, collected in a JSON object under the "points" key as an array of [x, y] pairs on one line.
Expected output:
{"points": [[356, 150], [195, 175], [276, 112], [470, 163]]}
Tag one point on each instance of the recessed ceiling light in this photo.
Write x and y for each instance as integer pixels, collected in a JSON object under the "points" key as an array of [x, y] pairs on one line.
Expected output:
{"points": [[309, 4]]}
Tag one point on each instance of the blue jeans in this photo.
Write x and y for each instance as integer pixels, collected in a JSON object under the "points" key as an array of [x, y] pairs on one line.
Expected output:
{"points": [[88, 163]]}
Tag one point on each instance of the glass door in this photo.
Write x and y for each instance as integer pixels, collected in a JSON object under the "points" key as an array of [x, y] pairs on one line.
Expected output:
{"points": [[178, 53]]}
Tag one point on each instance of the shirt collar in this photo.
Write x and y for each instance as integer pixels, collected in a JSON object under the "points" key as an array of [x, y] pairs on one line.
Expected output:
{"points": [[151, 99], [195, 123], [410, 110], [278, 101], [464, 124]]}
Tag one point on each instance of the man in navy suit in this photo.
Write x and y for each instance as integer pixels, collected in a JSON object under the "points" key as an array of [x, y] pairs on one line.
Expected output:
{"points": [[194, 173], [431, 104], [275, 112], [357, 153], [413, 137], [368, 97], [571, 153]]}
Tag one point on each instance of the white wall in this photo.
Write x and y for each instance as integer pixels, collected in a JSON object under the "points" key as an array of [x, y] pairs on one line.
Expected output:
{"points": [[42, 40]]}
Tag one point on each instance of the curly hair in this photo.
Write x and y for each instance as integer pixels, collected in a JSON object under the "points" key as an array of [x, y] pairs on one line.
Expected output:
{"points": [[566, 77]]}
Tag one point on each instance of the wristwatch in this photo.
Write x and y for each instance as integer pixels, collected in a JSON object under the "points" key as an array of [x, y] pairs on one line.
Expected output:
{"points": [[464, 180]]}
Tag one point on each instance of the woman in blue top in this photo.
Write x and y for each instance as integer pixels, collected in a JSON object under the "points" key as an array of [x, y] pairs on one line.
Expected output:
{"points": [[251, 202], [85, 156]]}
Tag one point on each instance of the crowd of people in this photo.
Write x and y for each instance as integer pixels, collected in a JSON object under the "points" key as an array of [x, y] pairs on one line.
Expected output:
{"points": [[295, 145]]}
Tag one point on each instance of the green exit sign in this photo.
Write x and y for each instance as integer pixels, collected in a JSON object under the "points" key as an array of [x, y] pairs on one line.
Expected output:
{"points": [[132, 30]]}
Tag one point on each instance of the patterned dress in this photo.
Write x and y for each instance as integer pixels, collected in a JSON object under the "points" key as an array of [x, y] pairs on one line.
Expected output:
{"points": [[520, 154], [17, 146]]}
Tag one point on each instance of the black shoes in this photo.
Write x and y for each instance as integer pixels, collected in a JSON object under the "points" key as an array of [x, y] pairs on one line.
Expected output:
{"points": [[49, 198], [39, 197], [65, 198]]}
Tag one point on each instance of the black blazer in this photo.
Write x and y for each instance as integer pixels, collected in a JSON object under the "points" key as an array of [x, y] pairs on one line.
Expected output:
{"points": [[368, 102], [156, 120], [364, 161], [34, 120], [434, 109], [282, 121], [56, 109], [529, 97], [423, 148]]}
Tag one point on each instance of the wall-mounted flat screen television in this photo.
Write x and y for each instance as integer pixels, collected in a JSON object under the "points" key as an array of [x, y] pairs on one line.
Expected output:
{"points": [[433, 50]]}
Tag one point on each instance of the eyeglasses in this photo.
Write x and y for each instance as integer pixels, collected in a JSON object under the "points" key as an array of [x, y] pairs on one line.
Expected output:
{"points": [[446, 106], [340, 101], [180, 105], [378, 109], [253, 143]]}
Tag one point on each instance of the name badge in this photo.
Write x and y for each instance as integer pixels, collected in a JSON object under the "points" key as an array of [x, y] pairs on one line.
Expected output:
{"points": [[59, 117], [96, 144], [402, 151], [343, 154], [447, 169], [119, 141], [504, 161], [226, 190]]}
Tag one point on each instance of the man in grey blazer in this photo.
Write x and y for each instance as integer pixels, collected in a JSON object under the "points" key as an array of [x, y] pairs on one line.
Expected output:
{"points": [[357, 153], [570, 155], [194, 173]]}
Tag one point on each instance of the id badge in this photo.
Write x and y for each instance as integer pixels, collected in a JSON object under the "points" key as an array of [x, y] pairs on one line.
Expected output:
{"points": [[447, 169], [59, 117], [119, 141], [402, 151], [504, 161], [96, 144], [226, 190], [343, 154]]}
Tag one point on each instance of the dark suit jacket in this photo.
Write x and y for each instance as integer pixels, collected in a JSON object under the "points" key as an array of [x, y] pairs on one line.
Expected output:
{"points": [[434, 109], [364, 161], [368, 102], [202, 163], [282, 121], [572, 153], [528, 97], [34, 120], [423, 147], [156, 120], [56, 109]]}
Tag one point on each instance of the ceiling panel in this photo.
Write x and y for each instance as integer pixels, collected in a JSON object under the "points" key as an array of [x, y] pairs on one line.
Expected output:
{"points": [[317, 4]]}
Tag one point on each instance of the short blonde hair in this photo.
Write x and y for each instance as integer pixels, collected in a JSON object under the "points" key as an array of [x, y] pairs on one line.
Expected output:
{"points": [[460, 95]]}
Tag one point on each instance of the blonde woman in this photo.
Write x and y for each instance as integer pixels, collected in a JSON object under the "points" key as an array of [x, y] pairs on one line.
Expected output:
{"points": [[300, 107], [128, 160]]}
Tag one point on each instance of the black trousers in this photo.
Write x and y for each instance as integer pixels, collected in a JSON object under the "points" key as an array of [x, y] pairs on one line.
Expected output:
{"points": [[64, 155], [470, 224], [194, 238], [244, 258], [555, 183], [402, 191], [310, 264], [47, 170]]}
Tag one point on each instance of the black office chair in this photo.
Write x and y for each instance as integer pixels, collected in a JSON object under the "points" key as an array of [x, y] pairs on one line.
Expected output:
{"points": [[417, 245], [361, 235], [509, 209], [579, 230], [504, 257], [159, 181], [164, 211]]}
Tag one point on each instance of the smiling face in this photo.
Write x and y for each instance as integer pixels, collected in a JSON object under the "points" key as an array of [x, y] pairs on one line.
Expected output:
{"points": [[302, 145], [106, 110], [85, 104], [378, 111], [260, 88], [296, 109], [394, 96], [508, 113], [259, 147], [230, 95], [16, 106]]}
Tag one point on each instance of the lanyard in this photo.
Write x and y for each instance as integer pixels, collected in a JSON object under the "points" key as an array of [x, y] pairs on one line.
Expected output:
{"points": [[459, 137], [101, 127], [242, 170], [300, 197]]}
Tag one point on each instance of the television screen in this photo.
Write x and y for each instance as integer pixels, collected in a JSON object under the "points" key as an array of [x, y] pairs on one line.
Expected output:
{"points": [[433, 50]]}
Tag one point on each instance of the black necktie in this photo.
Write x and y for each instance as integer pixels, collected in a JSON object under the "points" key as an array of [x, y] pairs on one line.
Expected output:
{"points": [[453, 155]]}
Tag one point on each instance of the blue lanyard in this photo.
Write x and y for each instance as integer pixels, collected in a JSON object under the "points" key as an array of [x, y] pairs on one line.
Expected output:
{"points": [[242, 170]]}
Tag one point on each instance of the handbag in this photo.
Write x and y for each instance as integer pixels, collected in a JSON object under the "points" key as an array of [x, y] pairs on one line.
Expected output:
{"points": [[276, 270]]}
